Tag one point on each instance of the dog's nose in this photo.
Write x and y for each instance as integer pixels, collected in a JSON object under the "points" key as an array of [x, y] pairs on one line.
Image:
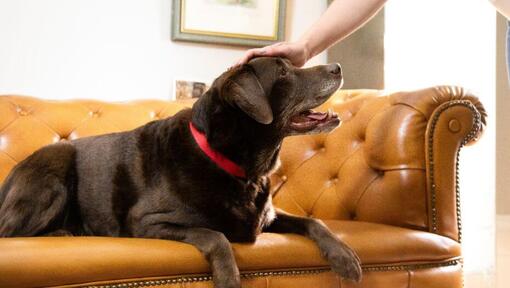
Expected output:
{"points": [[334, 68]]}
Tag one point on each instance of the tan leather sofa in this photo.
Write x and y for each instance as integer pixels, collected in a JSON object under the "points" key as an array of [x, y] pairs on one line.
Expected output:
{"points": [[385, 182]]}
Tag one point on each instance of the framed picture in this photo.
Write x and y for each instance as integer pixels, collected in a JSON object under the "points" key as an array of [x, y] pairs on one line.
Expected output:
{"points": [[235, 22], [185, 89]]}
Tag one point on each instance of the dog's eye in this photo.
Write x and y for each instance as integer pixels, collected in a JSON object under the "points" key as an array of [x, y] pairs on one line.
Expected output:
{"points": [[283, 71]]}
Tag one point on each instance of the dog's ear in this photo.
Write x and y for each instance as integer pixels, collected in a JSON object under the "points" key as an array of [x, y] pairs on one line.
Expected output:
{"points": [[243, 88]]}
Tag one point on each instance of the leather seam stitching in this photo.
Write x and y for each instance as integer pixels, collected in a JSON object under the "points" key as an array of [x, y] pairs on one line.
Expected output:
{"points": [[37, 118], [413, 108], [251, 275], [365, 190], [9, 124], [326, 188], [297, 204], [9, 156]]}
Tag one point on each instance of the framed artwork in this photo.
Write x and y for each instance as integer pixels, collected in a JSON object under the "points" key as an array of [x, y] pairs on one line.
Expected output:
{"points": [[254, 23], [185, 89]]}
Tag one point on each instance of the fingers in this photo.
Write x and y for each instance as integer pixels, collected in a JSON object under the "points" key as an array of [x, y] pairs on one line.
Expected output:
{"points": [[278, 44], [277, 49], [250, 54]]}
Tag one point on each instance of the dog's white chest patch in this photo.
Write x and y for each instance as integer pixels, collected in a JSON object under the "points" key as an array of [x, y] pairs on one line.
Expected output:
{"points": [[270, 213]]}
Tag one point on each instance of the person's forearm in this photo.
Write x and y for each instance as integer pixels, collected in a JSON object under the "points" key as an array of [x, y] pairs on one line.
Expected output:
{"points": [[341, 19], [503, 6]]}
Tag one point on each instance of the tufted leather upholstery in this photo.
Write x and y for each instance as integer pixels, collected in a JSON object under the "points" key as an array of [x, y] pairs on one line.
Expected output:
{"points": [[374, 167], [385, 182]]}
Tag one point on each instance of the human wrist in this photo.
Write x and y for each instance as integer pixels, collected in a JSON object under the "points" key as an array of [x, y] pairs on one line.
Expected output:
{"points": [[304, 43]]}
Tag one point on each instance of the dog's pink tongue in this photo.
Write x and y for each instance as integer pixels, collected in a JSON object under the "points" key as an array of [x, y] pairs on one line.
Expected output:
{"points": [[317, 116]]}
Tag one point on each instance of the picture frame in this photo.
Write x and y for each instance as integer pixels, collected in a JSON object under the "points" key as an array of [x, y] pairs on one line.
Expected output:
{"points": [[250, 23], [189, 89]]}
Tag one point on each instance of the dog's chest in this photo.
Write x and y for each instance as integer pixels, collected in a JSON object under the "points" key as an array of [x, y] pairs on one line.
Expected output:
{"points": [[248, 218], [248, 223]]}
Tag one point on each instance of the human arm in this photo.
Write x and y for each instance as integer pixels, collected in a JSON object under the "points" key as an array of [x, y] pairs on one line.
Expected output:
{"points": [[341, 19], [503, 7]]}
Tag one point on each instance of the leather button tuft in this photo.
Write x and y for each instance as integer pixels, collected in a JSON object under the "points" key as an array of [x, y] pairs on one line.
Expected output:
{"points": [[154, 115], [95, 113], [284, 178], [454, 125], [21, 111]]}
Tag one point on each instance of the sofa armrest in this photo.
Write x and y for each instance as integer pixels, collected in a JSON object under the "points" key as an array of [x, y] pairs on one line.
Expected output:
{"points": [[455, 118]]}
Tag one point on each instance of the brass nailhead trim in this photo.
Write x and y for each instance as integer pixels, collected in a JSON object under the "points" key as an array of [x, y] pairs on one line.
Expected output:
{"points": [[472, 134], [248, 275], [412, 266]]}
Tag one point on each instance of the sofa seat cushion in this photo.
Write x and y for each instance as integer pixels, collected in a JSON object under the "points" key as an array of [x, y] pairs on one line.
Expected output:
{"points": [[50, 261]]}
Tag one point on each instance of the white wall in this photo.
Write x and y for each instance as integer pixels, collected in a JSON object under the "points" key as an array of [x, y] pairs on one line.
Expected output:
{"points": [[111, 50]]}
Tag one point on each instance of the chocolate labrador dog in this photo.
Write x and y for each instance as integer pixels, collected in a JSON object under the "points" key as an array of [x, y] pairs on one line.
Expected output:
{"points": [[199, 177]]}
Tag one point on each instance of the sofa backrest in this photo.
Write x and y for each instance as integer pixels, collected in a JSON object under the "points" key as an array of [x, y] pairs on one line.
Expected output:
{"points": [[27, 123], [372, 168]]}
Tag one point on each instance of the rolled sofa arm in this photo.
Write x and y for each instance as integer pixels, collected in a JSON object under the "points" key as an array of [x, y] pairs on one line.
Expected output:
{"points": [[455, 118]]}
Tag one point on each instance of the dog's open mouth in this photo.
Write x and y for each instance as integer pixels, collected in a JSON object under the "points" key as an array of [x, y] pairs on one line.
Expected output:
{"points": [[310, 120]]}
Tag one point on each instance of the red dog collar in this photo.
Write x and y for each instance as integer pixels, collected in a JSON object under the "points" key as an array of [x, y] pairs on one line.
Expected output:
{"points": [[221, 160]]}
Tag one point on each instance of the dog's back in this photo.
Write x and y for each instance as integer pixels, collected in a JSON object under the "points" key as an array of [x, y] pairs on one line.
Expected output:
{"points": [[82, 187], [41, 194]]}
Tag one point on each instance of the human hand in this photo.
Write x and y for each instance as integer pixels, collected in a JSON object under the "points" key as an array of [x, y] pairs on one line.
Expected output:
{"points": [[296, 52]]}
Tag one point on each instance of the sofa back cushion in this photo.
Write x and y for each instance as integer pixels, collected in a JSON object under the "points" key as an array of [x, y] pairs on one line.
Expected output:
{"points": [[27, 123], [371, 168]]}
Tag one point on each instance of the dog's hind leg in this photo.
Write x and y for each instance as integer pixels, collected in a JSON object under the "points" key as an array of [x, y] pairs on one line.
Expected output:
{"points": [[36, 193], [31, 208]]}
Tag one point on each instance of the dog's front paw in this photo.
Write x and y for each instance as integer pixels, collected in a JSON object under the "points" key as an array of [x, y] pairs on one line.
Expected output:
{"points": [[344, 261], [227, 283], [224, 279]]}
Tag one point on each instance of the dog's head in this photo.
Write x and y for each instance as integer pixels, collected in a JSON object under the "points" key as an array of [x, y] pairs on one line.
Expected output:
{"points": [[250, 109], [274, 93]]}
